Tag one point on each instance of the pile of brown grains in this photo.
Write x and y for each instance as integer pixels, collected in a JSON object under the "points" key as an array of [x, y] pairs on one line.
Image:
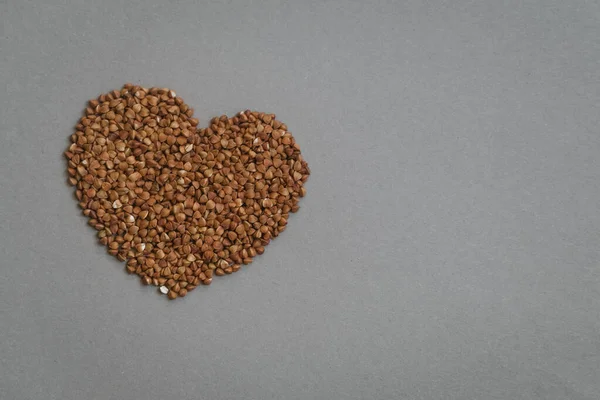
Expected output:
{"points": [[177, 203]]}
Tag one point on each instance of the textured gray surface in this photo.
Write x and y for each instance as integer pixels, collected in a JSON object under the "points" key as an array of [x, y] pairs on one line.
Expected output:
{"points": [[449, 244]]}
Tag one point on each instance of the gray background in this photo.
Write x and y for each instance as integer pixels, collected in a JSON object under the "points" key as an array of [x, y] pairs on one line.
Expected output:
{"points": [[449, 244]]}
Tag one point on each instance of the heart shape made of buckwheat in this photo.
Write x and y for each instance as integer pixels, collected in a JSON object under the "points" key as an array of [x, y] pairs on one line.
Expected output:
{"points": [[178, 203]]}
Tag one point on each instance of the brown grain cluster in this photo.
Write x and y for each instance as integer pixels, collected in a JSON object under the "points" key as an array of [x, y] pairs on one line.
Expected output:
{"points": [[177, 203]]}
